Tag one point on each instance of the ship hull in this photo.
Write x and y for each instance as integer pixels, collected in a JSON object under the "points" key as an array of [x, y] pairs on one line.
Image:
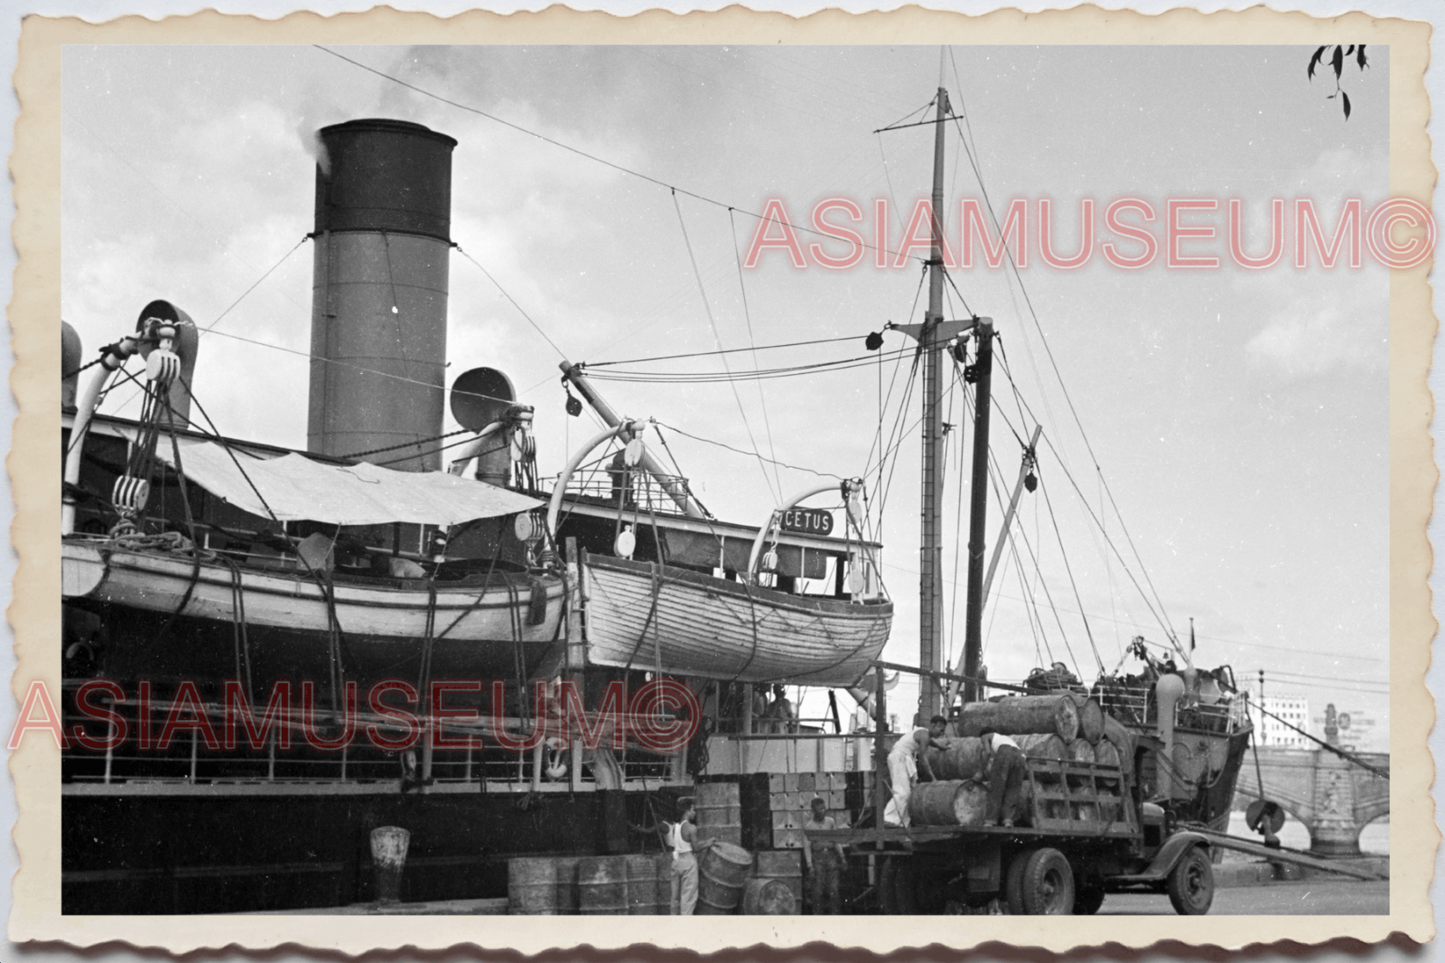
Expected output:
{"points": [[643, 615]]}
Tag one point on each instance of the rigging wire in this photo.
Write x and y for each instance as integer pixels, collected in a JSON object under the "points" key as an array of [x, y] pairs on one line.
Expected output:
{"points": [[1063, 554], [720, 377], [717, 339], [749, 454], [269, 271], [883, 403], [1157, 613], [513, 301], [578, 151], [1058, 375], [752, 342], [211, 328], [589, 365]]}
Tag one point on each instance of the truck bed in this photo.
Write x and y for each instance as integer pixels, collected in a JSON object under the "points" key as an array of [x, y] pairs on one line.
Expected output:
{"points": [[1081, 800]]}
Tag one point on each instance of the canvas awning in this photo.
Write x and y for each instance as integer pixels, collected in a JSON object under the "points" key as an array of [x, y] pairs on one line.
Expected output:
{"points": [[295, 487]]}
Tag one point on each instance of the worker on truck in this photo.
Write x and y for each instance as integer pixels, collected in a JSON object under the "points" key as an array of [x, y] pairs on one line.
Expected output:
{"points": [[903, 763], [824, 861], [1005, 764]]}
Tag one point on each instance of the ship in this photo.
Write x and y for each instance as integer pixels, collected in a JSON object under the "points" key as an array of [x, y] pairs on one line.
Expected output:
{"points": [[235, 614], [239, 614]]}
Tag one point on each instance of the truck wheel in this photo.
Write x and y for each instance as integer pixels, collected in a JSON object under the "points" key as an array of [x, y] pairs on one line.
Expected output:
{"points": [[1013, 884], [1191, 883], [1048, 884], [1088, 899], [897, 887]]}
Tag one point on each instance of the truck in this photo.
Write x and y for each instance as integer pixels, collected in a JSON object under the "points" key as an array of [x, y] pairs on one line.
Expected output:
{"points": [[1088, 832]]}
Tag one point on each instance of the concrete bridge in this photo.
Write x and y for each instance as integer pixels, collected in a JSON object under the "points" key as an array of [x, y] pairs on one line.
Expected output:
{"points": [[1333, 797]]}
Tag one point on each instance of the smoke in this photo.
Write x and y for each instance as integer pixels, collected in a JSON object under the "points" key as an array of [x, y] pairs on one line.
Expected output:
{"points": [[309, 131]]}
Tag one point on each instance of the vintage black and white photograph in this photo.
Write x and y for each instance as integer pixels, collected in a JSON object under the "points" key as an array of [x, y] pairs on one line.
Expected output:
{"points": [[753, 480]]}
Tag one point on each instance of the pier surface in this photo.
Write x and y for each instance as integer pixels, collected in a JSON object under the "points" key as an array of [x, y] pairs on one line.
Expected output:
{"points": [[1310, 897]]}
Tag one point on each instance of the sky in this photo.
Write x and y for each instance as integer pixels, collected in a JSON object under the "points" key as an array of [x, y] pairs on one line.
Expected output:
{"points": [[1234, 422]]}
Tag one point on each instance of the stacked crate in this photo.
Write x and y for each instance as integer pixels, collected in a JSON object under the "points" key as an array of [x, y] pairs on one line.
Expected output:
{"points": [[790, 801], [858, 795], [719, 812]]}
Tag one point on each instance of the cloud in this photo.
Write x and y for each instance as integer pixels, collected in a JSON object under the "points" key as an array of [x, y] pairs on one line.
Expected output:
{"points": [[1321, 323]]}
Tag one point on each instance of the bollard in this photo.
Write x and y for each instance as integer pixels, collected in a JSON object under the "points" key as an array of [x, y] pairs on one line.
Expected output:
{"points": [[388, 853]]}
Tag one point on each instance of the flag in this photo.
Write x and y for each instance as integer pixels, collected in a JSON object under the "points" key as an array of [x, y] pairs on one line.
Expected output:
{"points": [[1191, 635]]}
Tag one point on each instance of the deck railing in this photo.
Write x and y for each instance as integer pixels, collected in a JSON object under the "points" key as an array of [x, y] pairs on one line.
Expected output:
{"points": [[639, 491]]}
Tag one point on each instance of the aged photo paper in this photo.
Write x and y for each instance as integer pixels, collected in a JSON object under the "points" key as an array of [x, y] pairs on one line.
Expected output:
{"points": [[732, 465]]}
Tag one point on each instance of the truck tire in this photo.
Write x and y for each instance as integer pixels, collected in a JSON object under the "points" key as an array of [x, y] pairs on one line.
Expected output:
{"points": [[1048, 884], [1013, 884], [1191, 883], [897, 887], [1087, 898]]}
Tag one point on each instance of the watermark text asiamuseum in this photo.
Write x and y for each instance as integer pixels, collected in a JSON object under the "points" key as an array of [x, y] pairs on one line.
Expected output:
{"points": [[1129, 233]]}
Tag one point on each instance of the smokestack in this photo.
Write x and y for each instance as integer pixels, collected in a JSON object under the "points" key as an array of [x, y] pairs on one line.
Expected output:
{"points": [[71, 352], [379, 293]]}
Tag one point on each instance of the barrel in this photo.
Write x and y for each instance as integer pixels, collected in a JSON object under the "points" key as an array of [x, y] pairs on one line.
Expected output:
{"points": [[1105, 754], [1018, 715], [566, 869], [1042, 746], [602, 886], [532, 886], [781, 864], [1080, 750], [1123, 742], [962, 759], [954, 802], [768, 897], [388, 853], [1091, 718], [719, 812], [641, 885], [721, 872]]}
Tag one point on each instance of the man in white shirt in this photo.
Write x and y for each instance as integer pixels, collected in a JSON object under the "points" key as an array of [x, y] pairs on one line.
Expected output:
{"points": [[904, 761], [682, 837]]}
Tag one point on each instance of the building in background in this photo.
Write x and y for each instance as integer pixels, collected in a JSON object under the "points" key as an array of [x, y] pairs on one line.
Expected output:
{"points": [[1281, 709]]}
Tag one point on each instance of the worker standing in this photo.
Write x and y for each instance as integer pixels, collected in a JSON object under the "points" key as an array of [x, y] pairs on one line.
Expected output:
{"points": [[904, 760], [684, 841], [1005, 765], [824, 861], [780, 712]]}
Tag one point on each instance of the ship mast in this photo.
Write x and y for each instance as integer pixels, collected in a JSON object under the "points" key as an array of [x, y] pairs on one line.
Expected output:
{"points": [[933, 335], [930, 563]]}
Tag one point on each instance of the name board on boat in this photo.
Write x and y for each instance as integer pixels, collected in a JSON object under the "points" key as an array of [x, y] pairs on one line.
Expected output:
{"points": [[810, 521]]}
